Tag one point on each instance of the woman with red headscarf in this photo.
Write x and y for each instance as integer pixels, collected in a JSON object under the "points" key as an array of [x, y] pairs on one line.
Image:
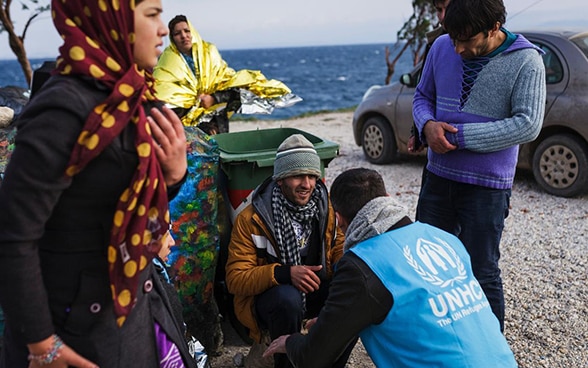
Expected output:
{"points": [[84, 201]]}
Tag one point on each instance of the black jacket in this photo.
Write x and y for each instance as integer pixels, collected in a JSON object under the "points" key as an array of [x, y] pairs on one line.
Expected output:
{"points": [[54, 233]]}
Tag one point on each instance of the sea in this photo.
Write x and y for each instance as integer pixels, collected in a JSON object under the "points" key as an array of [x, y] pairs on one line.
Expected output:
{"points": [[327, 78]]}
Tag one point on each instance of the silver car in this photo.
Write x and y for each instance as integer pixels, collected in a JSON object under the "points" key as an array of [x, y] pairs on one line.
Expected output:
{"points": [[558, 157]]}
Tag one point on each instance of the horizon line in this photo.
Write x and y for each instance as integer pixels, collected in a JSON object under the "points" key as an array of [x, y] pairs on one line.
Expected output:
{"points": [[247, 48]]}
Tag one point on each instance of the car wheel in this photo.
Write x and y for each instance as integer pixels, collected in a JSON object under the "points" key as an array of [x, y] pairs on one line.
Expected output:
{"points": [[560, 165], [377, 140]]}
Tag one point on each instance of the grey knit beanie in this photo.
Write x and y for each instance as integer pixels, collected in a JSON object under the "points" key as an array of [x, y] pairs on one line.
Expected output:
{"points": [[296, 156]]}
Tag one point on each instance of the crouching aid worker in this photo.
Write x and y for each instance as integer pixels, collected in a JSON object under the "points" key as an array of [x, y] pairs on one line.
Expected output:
{"points": [[406, 288], [283, 248]]}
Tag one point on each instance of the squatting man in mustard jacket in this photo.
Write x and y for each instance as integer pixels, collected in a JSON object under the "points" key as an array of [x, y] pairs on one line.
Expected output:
{"points": [[283, 248]]}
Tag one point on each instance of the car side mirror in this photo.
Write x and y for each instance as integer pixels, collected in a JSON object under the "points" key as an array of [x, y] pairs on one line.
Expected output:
{"points": [[408, 80]]}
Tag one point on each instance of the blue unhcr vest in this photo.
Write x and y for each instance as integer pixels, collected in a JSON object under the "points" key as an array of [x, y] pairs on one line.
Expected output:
{"points": [[440, 316]]}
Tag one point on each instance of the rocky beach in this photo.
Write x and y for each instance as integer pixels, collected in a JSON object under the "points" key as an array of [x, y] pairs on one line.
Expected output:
{"points": [[544, 257]]}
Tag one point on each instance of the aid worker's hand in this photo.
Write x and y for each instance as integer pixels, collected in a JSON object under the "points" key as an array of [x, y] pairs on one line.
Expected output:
{"points": [[276, 347], [310, 323]]}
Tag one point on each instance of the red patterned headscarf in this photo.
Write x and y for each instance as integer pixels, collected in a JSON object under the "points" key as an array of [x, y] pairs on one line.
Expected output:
{"points": [[98, 42]]}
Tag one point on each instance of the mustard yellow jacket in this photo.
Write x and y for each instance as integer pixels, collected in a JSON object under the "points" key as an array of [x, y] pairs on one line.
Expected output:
{"points": [[250, 267]]}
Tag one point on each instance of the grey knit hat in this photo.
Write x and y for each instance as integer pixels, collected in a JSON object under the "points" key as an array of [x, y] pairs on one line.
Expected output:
{"points": [[296, 156]]}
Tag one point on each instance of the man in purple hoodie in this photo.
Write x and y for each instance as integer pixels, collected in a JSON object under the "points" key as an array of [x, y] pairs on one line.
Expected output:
{"points": [[481, 94]]}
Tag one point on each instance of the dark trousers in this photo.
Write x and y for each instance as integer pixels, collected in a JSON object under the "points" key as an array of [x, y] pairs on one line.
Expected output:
{"points": [[476, 216], [280, 311]]}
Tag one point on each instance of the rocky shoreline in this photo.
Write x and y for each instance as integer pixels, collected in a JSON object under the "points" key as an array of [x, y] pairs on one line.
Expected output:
{"points": [[544, 254]]}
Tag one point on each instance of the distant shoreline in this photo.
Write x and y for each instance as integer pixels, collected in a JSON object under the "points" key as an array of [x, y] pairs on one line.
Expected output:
{"points": [[327, 78], [253, 118], [248, 49]]}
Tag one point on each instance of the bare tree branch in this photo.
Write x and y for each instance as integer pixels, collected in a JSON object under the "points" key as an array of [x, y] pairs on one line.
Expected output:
{"points": [[26, 27], [414, 32], [15, 41], [391, 65]]}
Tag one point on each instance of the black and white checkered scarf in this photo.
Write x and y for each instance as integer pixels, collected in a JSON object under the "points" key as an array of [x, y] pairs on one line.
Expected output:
{"points": [[284, 213]]}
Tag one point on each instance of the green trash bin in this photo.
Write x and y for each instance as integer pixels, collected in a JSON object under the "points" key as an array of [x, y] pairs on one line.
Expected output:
{"points": [[247, 159]]}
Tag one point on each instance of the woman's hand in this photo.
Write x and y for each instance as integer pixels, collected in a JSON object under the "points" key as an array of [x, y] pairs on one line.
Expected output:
{"points": [[67, 357], [170, 148]]}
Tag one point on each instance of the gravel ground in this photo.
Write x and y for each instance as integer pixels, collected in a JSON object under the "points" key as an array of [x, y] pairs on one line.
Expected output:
{"points": [[544, 255]]}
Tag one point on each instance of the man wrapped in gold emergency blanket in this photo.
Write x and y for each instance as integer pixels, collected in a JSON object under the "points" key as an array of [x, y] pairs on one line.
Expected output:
{"points": [[191, 68]]}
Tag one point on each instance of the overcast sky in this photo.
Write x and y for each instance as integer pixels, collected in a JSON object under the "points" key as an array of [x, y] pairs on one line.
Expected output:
{"points": [[234, 24]]}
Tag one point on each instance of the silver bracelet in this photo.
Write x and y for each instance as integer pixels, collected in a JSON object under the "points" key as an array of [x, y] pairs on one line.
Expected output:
{"points": [[51, 355]]}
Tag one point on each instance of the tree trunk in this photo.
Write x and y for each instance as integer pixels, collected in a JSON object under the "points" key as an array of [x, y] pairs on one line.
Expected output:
{"points": [[17, 47], [16, 43], [392, 64]]}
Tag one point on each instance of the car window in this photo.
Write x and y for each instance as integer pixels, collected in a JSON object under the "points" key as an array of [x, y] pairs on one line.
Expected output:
{"points": [[553, 67], [582, 42]]}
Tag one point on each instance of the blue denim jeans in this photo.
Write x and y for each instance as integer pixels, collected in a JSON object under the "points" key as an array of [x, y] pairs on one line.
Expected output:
{"points": [[474, 214]]}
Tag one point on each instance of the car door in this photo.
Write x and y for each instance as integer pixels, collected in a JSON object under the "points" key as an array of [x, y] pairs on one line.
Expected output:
{"points": [[403, 112], [556, 70]]}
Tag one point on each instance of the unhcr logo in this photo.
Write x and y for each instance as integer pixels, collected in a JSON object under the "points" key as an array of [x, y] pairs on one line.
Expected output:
{"points": [[437, 264]]}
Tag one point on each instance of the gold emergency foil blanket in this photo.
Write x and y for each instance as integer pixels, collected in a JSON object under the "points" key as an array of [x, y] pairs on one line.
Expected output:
{"points": [[178, 86]]}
